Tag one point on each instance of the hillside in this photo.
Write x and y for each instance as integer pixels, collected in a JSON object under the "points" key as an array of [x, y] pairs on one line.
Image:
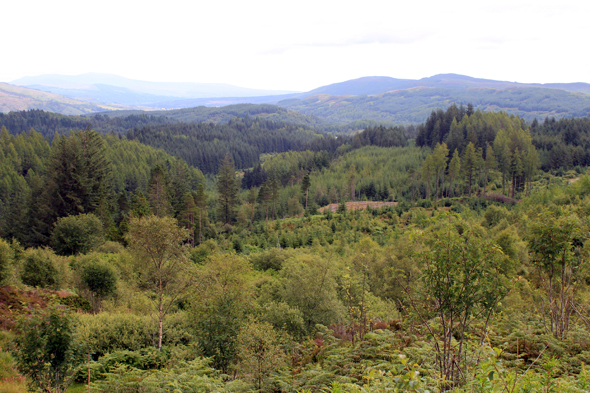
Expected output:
{"points": [[218, 115], [16, 98], [413, 105]]}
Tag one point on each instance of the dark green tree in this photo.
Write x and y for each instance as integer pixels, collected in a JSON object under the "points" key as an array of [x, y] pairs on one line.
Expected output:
{"points": [[188, 216], [79, 175], [201, 203], [77, 234], [305, 184], [38, 269], [140, 206], [158, 194], [227, 188], [100, 280]]}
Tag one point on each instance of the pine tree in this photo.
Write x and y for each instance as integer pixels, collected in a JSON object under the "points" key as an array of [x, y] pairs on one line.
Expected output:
{"points": [[252, 201], [305, 183], [454, 169], [188, 216], [227, 187], [263, 198], [470, 163], [201, 203], [158, 194], [439, 164], [274, 195], [490, 164]]}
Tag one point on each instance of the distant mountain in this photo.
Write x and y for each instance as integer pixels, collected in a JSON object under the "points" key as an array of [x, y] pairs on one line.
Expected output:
{"points": [[16, 98], [339, 107], [373, 85], [113, 89]]}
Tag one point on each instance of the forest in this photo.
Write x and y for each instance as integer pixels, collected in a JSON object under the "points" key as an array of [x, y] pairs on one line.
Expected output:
{"points": [[410, 106], [264, 256]]}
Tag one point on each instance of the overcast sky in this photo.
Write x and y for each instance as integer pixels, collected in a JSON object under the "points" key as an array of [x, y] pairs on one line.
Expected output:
{"points": [[297, 45]]}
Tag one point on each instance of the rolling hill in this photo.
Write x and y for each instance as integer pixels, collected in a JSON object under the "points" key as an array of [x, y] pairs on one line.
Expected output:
{"points": [[16, 98]]}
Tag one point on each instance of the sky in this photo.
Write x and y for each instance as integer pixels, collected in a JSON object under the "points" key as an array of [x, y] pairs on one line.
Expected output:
{"points": [[297, 45]]}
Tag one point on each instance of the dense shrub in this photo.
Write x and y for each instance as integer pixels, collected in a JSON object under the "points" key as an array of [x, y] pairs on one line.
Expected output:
{"points": [[77, 234], [39, 269], [6, 259]]}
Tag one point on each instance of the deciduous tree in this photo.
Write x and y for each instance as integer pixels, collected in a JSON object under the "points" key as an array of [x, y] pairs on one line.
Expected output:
{"points": [[160, 247]]}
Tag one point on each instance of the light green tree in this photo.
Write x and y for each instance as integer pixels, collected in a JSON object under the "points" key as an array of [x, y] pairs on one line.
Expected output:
{"points": [[160, 247], [259, 353], [556, 241], [460, 279], [469, 163], [454, 169]]}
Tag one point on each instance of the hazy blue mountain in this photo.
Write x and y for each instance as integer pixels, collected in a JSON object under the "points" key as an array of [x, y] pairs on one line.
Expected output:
{"points": [[100, 93], [107, 88], [382, 84]]}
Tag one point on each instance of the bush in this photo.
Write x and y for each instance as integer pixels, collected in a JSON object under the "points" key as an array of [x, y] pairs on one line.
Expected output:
{"points": [[270, 259], [6, 259], [46, 351], [77, 234], [39, 269], [112, 332], [494, 214], [100, 279]]}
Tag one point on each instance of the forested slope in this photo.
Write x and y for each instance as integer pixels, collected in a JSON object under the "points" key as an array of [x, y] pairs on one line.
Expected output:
{"points": [[414, 105]]}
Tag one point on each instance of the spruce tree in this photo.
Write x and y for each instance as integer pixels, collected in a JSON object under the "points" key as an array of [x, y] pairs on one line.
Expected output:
{"points": [[227, 187], [305, 184], [158, 194], [201, 202]]}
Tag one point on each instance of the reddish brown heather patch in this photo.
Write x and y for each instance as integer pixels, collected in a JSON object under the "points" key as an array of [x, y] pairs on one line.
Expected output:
{"points": [[15, 302], [358, 205]]}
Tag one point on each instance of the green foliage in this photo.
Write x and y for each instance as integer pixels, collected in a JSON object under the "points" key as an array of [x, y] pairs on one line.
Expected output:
{"points": [[308, 283], [461, 277], [195, 376], [46, 350], [159, 244], [108, 332], [259, 354], [78, 234], [204, 145], [220, 304], [39, 269], [556, 239], [272, 258], [6, 260], [227, 188], [100, 279]]}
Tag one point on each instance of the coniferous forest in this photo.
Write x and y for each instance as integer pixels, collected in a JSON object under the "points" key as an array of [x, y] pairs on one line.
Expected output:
{"points": [[146, 254]]}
